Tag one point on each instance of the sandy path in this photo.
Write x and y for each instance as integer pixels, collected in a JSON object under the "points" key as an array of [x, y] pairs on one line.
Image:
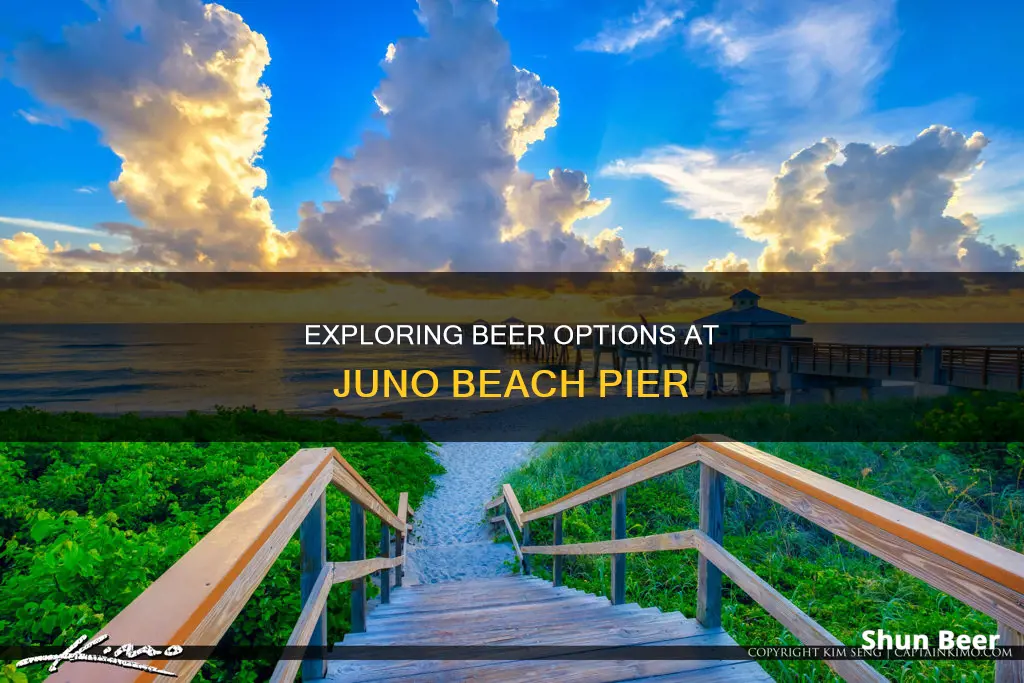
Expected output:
{"points": [[450, 539]]}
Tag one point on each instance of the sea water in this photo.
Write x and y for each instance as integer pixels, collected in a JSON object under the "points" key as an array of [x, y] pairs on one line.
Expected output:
{"points": [[173, 368]]}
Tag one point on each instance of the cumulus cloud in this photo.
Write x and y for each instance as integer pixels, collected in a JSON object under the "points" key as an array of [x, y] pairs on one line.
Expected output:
{"points": [[819, 64], [174, 86], [858, 207], [655, 20], [27, 252], [729, 264], [441, 188], [881, 208]]}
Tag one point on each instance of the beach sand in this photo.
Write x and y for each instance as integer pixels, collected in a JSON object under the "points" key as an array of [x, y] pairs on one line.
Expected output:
{"points": [[451, 539]]}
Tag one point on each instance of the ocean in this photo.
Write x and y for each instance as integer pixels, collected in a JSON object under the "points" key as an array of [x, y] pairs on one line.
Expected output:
{"points": [[174, 368]]}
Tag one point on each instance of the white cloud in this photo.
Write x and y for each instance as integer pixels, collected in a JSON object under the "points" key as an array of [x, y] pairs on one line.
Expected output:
{"points": [[442, 189], [706, 185], [655, 20], [41, 118], [32, 224], [85, 190], [820, 63]]}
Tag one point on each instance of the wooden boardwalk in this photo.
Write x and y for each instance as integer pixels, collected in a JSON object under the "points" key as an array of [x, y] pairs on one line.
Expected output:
{"points": [[523, 610]]}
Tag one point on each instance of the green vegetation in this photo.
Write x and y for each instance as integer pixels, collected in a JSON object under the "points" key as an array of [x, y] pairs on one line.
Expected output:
{"points": [[971, 485], [86, 526], [988, 417], [234, 424]]}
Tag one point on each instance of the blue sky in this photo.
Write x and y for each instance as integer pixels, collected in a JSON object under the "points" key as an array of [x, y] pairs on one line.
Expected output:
{"points": [[680, 113]]}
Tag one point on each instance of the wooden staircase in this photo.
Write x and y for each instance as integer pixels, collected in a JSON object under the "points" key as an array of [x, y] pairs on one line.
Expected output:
{"points": [[195, 601], [524, 610]]}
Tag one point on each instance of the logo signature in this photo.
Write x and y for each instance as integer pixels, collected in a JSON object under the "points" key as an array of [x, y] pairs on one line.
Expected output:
{"points": [[122, 656]]}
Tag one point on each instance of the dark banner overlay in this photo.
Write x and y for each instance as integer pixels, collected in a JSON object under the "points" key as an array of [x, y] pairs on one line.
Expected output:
{"points": [[515, 357], [563, 652]]}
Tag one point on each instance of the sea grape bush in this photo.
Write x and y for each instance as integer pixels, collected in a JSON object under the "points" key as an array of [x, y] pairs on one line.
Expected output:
{"points": [[985, 430], [86, 527]]}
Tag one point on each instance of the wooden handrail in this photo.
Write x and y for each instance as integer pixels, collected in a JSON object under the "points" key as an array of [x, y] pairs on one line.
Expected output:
{"points": [[502, 519], [983, 557], [652, 466], [196, 600], [674, 540], [286, 669], [349, 571], [358, 490], [982, 574], [403, 509], [512, 503]]}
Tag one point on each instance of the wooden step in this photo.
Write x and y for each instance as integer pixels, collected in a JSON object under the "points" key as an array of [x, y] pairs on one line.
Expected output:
{"points": [[499, 618], [552, 605], [493, 632], [524, 611], [610, 633], [471, 600], [743, 672], [450, 587]]}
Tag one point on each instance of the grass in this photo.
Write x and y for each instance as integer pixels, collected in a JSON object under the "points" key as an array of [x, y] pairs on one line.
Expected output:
{"points": [[842, 587]]}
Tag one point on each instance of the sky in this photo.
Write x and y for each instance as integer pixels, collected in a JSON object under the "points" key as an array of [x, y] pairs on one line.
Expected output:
{"points": [[531, 135]]}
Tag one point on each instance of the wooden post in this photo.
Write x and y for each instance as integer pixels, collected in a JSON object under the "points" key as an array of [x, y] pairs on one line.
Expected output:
{"points": [[385, 574], [1008, 670], [556, 570], [312, 558], [399, 549], [709, 578], [357, 552], [618, 596], [526, 542], [503, 509]]}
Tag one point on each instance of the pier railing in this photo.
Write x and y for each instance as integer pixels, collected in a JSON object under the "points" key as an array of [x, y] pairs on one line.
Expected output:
{"points": [[971, 367], [981, 574], [196, 600]]}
